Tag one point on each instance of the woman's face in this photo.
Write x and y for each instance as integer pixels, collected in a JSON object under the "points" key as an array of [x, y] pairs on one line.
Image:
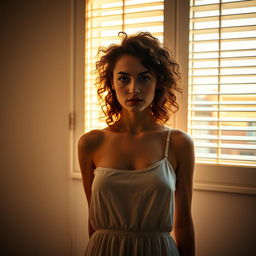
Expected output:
{"points": [[131, 79]]}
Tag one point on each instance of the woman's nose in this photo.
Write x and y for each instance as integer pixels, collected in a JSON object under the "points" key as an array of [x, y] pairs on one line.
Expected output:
{"points": [[133, 86]]}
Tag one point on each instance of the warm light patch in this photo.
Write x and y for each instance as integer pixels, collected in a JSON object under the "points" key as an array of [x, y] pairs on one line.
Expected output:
{"points": [[104, 19], [222, 81]]}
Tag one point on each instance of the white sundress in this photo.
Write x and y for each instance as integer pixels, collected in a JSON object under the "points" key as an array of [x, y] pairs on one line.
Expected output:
{"points": [[131, 211]]}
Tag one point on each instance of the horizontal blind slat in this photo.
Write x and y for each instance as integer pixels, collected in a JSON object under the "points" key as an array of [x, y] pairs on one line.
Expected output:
{"points": [[221, 128], [224, 17], [227, 138], [101, 17], [230, 119], [243, 158], [222, 40], [223, 103], [222, 109], [141, 5], [223, 29], [224, 145], [223, 93], [229, 5]]}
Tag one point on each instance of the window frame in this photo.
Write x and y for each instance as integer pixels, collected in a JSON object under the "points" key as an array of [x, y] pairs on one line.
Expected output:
{"points": [[77, 81], [209, 177]]}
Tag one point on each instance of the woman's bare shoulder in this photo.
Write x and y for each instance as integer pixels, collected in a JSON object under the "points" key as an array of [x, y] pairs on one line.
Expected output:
{"points": [[181, 140], [179, 134], [182, 145], [91, 140]]}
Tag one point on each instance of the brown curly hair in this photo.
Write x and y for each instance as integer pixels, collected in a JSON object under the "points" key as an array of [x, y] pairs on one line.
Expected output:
{"points": [[152, 56]]}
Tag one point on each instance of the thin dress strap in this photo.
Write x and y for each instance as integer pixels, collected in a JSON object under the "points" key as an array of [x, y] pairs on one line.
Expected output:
{"points": [[167, 142]]}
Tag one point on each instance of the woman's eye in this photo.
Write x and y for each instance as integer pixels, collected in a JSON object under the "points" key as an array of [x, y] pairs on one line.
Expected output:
{"points": [[144, 78], [123, 79]]}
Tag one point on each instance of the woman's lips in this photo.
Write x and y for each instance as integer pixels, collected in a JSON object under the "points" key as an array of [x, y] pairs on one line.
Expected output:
{"points": [[134, 101]]}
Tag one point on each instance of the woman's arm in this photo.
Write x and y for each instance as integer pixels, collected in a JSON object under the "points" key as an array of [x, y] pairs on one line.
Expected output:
{"points": [[183, 223], [85, 149]]}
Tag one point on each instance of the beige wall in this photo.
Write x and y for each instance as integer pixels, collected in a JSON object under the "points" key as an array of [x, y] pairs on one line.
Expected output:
{"points": [[35, 70], [37, 194], [224, 223]]}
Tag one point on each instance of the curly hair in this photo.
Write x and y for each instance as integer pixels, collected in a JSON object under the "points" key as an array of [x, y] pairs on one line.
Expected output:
{"points": [[148, 50]]}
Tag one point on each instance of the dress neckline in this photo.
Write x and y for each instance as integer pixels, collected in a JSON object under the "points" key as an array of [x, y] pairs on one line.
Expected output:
{"points": [[165, 159]]}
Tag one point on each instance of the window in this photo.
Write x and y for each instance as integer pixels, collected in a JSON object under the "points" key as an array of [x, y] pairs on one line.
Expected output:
{"points": [[104, 19], [230, 167], [222, 81]]}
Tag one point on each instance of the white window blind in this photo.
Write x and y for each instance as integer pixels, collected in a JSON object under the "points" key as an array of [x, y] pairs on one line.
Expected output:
{"points": [[104, 19], [222, 81]]}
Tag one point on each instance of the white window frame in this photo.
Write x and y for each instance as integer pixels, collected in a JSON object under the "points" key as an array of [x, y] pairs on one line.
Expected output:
{"points": [[212, 177]]}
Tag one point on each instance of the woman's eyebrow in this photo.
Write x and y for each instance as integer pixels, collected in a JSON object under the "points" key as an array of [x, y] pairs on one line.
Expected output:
{"points": [[141, 73]]}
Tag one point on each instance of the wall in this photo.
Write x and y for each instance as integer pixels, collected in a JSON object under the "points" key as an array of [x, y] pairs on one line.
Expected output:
{"points": [[224, 223], [35, 102]]}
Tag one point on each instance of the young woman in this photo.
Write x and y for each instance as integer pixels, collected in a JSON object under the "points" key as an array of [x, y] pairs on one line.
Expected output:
{"points": [[137, 172]]}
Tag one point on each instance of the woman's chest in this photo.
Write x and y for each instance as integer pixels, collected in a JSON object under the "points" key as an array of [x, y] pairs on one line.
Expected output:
{"points": [[128, 153]]}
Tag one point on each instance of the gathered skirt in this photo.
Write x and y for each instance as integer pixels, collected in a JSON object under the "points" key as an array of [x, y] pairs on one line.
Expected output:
{"points": [[106, 242]]}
